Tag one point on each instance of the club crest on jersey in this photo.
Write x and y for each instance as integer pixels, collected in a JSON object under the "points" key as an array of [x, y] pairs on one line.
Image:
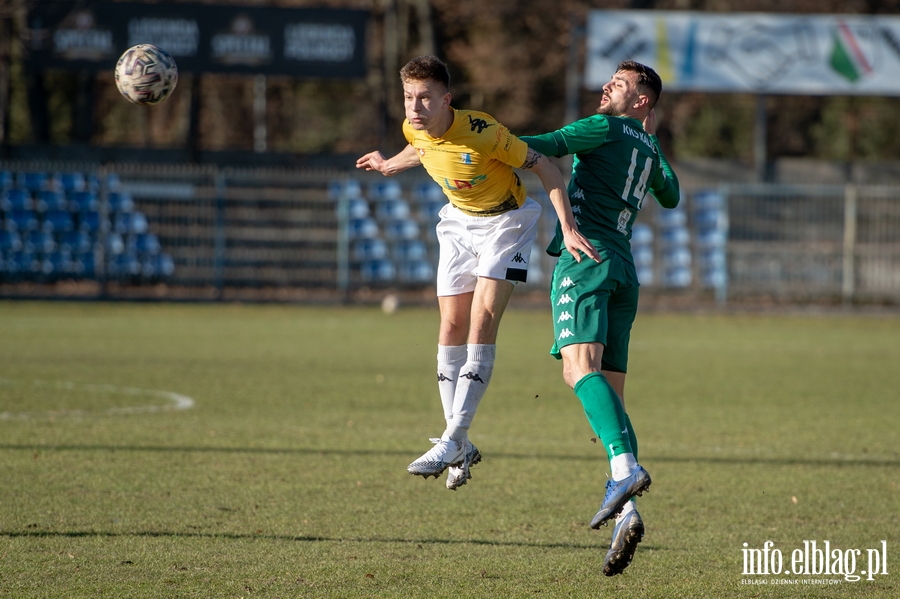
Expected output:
{"points": [[466, 158]]}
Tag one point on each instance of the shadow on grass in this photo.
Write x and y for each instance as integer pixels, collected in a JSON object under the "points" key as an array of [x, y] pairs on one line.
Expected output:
{"points": [[74, 534], [779, 461]]}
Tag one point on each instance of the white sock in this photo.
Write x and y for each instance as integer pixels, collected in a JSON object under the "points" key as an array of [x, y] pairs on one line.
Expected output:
{"points": [[622, 465], [450, 358], [474, 377], [629, 507]]}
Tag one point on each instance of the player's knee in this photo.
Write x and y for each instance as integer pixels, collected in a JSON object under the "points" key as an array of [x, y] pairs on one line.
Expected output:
{"points": [[570, 375]]}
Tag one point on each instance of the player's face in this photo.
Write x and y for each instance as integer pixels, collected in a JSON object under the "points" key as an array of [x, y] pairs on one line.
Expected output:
{"points": [[425, 102], [619, 95]]}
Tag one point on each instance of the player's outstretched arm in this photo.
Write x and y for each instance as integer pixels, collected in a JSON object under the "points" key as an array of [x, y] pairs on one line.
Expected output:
{"points": [[555, 187], [375, 161]]}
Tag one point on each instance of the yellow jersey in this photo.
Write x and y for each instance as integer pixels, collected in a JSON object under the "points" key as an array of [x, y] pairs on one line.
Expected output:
{"points": [[473, 162]]}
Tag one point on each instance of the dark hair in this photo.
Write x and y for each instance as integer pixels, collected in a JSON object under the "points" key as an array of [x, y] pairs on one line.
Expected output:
{"points": [[648, 80], [426, 68]]}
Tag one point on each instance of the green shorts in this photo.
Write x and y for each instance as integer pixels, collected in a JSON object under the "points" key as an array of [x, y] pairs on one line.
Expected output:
{"points": [[595, 303]]}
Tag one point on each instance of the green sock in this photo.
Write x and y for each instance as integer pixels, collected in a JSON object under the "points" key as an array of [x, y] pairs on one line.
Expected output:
{"points": [[632, 438], [605, 413]]}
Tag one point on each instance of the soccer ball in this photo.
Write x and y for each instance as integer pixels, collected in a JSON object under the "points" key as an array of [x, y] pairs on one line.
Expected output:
{"points": [[146, 74]]}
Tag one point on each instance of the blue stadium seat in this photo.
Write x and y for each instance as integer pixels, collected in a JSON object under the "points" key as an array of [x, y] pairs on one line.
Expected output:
{"points": [[24, 262], [429, 210], [58, 221], [428, 191], [15, 199], [641, 235], [645, 275], [346, 189], [711, 238], [384, 190], [6, 180], [369, 249], [671, 218], [357, 208], [22, 220], [10, 241], [643, 256], [362, 227], [57, 264], [675, 236], [157, 267], [84, 265], [76, 242], [39, 241], [407, 250], [377, 271], [84, 201], [50, 200], [115, 244], [401, 229], [120, 202], [71, 182], [90, 222], [678, 257], [130, 223], [34, 181], [123, 266], [391, 209], [146, 243], [677, 277], [415, 271]]}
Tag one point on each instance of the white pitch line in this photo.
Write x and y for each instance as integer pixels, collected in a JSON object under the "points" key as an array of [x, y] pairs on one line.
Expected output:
{"points": [[178, 401]]}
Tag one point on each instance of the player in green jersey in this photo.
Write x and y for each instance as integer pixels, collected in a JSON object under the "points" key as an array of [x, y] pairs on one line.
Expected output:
{"points": [[617, 162]]}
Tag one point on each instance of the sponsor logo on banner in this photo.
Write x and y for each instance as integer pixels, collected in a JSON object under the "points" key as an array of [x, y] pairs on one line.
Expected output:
{"points": [[79, 38], [241, 45]]}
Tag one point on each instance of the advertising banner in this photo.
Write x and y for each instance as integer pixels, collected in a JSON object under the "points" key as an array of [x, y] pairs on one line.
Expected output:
{"points": [[303, 43], [750, 52]]}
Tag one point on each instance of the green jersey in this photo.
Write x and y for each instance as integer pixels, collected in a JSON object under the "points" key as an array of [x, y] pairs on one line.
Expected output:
{"points": [[616, 165]]}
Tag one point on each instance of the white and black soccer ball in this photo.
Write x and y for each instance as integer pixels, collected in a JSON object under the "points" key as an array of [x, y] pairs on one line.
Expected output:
{"points": [[146, 74]]}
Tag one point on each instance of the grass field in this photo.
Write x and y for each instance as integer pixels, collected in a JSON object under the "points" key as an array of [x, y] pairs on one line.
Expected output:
{"points": [[157, 450]]}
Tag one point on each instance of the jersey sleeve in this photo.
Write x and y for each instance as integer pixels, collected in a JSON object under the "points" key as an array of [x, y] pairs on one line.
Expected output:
{"points": [[664, 186], [500, 144], [581, 136]]}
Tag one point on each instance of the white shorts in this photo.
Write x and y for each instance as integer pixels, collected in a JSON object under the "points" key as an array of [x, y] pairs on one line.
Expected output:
{"points": [[496, 247]]}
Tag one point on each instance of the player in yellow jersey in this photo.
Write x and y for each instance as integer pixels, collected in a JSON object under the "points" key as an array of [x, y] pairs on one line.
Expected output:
{"points": [[485, 235]]}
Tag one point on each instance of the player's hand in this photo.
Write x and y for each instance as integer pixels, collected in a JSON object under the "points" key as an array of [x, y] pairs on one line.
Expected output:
{"points": [[373, 161], [577, 244], [650, 122]]}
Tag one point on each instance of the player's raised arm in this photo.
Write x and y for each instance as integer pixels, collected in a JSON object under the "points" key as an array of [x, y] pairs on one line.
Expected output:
{"points": [[555, 187], [407, 158]]}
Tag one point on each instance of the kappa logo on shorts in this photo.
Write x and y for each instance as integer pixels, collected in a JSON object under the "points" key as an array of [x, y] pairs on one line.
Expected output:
{"points": [[564, 299], [565, 316], [566, 282], [442, 378], [565, 334], [518, 258]]}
